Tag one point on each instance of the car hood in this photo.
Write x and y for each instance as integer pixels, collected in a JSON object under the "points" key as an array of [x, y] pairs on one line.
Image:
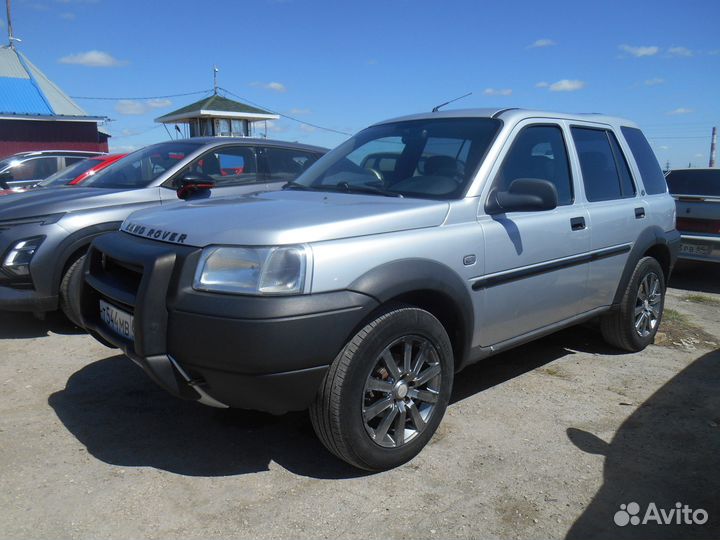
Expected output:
{"points": [[284, 217], [41, 202]]}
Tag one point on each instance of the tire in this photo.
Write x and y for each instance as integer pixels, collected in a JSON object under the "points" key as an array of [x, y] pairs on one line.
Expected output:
{"points": [[360, 381], [619, 327], [70, 291]]}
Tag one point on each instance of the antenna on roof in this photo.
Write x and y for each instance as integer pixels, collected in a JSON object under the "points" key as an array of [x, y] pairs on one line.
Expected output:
{"points": [[11, 39], [437, 108], [215, 72]]}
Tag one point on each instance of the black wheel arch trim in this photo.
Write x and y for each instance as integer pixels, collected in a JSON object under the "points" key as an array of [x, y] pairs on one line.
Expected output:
{"points": [[409, 276], [648, 238], [75, 242]]}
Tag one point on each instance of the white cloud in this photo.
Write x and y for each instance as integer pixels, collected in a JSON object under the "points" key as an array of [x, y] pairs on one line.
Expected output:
{"points": [[541, 43], [158, 103], [130, 107], [714, 52], [92, 59], [567, 85], [297, 111], [272, 127], [307, 129], [680, 51], [680, 110], [654, 81], [699, 155], [542, 84], [372, 62], [664, 147], [133, 107], [274, 86], [640, 51], [498, 91], [67, 16]]}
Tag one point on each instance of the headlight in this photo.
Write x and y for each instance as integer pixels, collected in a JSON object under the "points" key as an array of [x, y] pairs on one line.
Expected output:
{"points": [[17, 260], [259, 271]]}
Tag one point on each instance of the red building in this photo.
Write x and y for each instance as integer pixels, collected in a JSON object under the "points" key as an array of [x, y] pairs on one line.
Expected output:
{"points": [[36, 115]]}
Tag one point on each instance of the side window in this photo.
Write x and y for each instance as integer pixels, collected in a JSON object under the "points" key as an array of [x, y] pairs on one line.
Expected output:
{"points": [[627, 186], [650, 171], [228, 166], [71, 160], [599, 165], [538, 152], [285, 164], [35, 169]]}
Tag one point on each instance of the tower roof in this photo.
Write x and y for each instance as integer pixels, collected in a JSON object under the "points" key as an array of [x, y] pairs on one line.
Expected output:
{"points": [[217, 106], [25, 92]]}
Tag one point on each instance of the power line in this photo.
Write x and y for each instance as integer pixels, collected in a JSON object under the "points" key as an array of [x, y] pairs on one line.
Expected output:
{"points": [[145, 97], [317, 126]]}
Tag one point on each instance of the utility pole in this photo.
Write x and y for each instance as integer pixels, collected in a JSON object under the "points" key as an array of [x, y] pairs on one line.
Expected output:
{"points": [[713, 147], [11, 38], [215, 72]]}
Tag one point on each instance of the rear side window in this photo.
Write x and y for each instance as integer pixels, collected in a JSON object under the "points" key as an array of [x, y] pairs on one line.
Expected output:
{"points": [[694, 182], [286, 164], [538, 152], [604, 169], [650, 171]]}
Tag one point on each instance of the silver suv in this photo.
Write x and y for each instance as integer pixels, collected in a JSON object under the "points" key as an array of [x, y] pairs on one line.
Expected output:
{"points": [[45, 233], [419, 246]]}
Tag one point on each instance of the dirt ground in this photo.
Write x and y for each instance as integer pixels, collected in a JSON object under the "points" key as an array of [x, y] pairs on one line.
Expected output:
{"points": [[546, 441]]}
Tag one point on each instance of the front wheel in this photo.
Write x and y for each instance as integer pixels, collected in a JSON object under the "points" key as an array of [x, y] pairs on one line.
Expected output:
{"points": [[386, 392], [633, 325]]}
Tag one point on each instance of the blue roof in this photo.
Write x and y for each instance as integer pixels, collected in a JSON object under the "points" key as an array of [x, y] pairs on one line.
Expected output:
{"points": [[26, 91], [21, 96]]}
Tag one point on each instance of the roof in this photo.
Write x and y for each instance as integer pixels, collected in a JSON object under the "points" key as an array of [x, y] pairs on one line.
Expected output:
{"points": [[514, 115], [26, 91], [250, 141], [218, 106]]}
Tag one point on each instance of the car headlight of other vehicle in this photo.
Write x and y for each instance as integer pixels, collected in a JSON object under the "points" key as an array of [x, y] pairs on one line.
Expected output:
{"points": [[258, 271], [17, 260]]}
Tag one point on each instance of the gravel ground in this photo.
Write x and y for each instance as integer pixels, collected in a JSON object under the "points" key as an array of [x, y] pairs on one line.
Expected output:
{"points": [[546, 441]]}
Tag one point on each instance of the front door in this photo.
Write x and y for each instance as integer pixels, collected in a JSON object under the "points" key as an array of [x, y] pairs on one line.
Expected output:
{"points": [[535, 273]]}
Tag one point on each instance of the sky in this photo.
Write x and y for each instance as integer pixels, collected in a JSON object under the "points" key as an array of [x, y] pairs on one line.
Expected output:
{"points": [[344, 65]]}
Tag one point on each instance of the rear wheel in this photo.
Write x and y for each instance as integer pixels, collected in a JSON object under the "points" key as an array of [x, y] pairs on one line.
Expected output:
{"points": [[70, 291], [633, 326], [386, 392]]}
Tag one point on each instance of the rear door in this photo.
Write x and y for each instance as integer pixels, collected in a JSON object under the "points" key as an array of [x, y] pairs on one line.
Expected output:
{"points": [[534, 270], [617, 210]]}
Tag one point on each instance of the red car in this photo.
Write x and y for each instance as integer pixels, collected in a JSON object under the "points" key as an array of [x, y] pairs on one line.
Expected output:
{"points": [[72, 175]]}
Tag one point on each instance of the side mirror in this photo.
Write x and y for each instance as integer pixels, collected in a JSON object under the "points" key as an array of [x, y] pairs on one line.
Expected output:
{"points": [[524, 195], [190, 184]]}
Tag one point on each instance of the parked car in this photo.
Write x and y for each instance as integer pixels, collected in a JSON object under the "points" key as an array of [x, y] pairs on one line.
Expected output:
{"points": [[73, 175], [697, 196], [45, 233], [28, 168], [359, 291]]}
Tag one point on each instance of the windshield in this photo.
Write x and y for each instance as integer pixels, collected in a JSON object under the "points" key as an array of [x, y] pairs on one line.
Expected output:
{"points": [[694, 182], [432, 159], [141, 168], [68, 174]]}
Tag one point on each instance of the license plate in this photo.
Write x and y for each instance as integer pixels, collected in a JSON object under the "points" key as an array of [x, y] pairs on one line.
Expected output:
{"points": [[695, 249], [117, 320]]}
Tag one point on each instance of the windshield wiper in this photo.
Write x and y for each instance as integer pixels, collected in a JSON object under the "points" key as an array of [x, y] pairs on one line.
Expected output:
{"points": [[292, 184], [372, 190]]}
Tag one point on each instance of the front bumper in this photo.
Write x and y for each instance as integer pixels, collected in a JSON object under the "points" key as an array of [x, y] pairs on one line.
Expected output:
{"points": [[699, 247], [264, 353], [16, 299]]}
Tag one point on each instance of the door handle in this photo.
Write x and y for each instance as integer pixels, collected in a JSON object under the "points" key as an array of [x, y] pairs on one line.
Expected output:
{"points": [[639, 213], [577, 223]]}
